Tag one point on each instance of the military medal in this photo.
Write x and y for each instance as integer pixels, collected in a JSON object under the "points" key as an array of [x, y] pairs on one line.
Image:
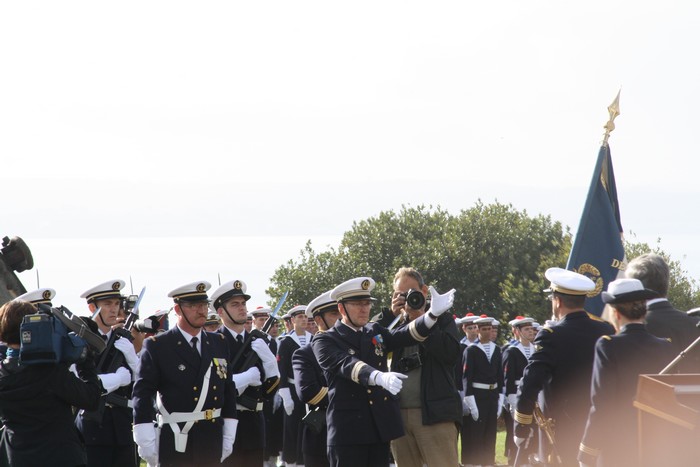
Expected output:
{"points": [[378, 342], [220, 368]]}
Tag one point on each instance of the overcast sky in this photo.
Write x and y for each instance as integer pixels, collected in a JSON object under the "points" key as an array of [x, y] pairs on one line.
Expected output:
{"points": [[174, 141]]}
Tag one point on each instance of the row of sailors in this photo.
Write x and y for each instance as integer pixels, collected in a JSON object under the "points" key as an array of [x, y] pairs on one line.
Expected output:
{"points": [[208, 404], [185, 399]]}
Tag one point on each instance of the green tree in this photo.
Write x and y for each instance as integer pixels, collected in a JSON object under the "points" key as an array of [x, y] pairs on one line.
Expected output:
{"points": [[492, 254]]}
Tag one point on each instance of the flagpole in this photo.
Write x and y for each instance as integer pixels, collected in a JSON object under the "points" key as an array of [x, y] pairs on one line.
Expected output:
{"points": [[614, 111]]}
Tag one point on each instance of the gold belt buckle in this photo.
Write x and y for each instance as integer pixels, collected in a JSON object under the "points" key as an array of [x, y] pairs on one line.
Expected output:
{"points": [[209, 414]]}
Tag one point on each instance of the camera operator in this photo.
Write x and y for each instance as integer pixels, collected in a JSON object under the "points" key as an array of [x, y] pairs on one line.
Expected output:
{"points": [[36, 401], [108, 431], [431, 408]]}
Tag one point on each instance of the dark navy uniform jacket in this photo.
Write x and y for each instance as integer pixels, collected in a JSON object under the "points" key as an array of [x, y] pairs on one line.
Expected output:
{"points": [[36, 407], [562, 366], [514, 363], [478, 369], [312, 389], [251, 426], [115, 426], [619, 360], [170, 366], [357, 412]]}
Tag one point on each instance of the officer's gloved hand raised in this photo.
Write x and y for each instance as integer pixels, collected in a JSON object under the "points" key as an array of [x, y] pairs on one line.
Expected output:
{"points": [[521, 433], [229, 436], [439, 303], [287, 400], [126, 347], [390, 381], [471, 403], [250, 377], [147, 442], [268, 359]]}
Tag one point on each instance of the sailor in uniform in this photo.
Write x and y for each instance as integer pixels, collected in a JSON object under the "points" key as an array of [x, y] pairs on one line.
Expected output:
{"points": [[107, 431], [363, 411], [515, 359], [38, 296], [483, 384], [254, 384], [562, 365], [185, 370], [292, 453], [311, 385]]}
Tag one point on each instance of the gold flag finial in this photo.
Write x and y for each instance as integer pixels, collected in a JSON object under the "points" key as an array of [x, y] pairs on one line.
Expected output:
{"points": [[614, 111]]}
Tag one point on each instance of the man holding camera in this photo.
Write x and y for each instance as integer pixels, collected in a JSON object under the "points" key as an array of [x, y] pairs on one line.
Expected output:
{"points": [[430, 404], [107, 430], [363, 413], [36, 400]]}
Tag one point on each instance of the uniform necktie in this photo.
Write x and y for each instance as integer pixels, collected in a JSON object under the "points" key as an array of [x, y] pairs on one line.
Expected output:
{"points": [[194, 344], [239, 338]]}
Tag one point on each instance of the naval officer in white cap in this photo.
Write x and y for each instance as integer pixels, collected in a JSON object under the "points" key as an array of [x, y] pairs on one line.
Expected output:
{"points": [[363, 413], [562, 364], [41, 296], [185, 370], [107, 431]]}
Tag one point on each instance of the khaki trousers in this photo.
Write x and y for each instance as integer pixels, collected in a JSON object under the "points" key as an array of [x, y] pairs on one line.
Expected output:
{"points": [[431, 445]]}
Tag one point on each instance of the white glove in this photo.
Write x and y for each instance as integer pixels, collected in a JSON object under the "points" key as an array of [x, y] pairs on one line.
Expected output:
{"points": [[287, 400], [268, 359], [126, 347], [501, 401], [471, 403], [512, 401], [518, 441], [230, 426], [276, 402], [112, 381], [439, 303], [145, 438], [250, 377], [390, 381], [465, 407]]}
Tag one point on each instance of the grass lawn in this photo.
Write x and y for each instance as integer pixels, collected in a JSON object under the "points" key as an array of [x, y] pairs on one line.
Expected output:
{"points": [[501, 459]]}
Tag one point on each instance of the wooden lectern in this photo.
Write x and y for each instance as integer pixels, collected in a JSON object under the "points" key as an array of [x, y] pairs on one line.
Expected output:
{"points": [[668, 419]]}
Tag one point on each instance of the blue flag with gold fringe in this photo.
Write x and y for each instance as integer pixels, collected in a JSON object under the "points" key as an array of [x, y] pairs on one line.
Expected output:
{"points": [[597, 251]]}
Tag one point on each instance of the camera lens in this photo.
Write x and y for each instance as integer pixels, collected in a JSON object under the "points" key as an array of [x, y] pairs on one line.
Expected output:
{"points": [[415, 299]]}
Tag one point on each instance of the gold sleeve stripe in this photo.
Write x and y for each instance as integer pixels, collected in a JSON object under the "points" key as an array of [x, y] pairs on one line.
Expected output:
{"points": [[319, 397], [355, 373], [590, 451], [522, 418], [414, 332], [272, 388]]}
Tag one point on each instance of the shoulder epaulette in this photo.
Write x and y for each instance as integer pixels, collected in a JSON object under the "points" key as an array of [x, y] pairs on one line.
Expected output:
{"points": [[547, 328], [221, 335], [595, 318], [669, 339], [607, 338], [153, 338]]}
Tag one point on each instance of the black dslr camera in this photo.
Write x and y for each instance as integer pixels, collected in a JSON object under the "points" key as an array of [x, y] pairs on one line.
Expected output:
{"points": [[408, 363], [55, 335], [414, 299]]}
